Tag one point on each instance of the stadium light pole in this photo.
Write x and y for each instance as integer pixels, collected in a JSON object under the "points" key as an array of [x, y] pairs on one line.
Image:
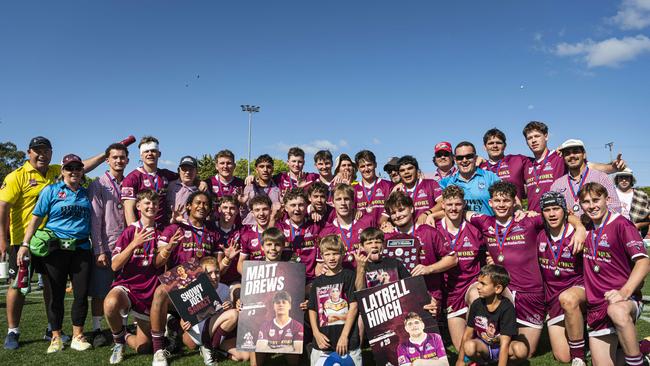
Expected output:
{"points": [[250, 109]]}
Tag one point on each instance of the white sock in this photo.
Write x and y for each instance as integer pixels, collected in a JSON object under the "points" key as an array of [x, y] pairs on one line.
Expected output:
{"points": [[13, 330], [97, 322]]}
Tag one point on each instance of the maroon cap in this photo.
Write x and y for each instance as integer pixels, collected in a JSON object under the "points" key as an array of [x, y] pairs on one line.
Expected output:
{"points": [[442, 146], [70, 159]]}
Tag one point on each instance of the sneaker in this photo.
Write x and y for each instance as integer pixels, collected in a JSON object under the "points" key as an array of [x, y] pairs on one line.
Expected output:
{"points": [[578, 362], [160, 358], [206, 353], [99, 339], [56, 345], [80, 343], [48, 336], [11, 341], [117, 354]]}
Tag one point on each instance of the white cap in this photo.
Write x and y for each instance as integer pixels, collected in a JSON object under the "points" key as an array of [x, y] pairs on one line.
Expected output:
{"points": [[572, 143], [626, 171]]}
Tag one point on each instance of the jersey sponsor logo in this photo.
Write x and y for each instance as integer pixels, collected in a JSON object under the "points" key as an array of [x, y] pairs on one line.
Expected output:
{"points": [[33, 182], [422, 195], [289, 333], [188, 234], [481, 185], [62, 195]]}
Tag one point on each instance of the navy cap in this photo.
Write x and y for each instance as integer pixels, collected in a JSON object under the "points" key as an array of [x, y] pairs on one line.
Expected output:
{"points": [[188, 160], [39, 141]]}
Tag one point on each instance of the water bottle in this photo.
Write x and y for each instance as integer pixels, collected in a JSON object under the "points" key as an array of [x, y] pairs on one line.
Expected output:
{"points": [[22, 281]]}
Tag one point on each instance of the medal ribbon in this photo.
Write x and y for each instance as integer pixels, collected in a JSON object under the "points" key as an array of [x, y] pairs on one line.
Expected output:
{"points": [[502, 240], [415, 191], [542, 166], [596, 238], [116, 187], [372, 193], [454, 240], [347, 238], [198, 238], [301, 232], [574, 194], [556, 253], [148, 245]]}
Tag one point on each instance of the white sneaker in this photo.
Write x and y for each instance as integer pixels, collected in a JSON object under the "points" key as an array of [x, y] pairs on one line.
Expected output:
{"points": [[117, 355], [206, 353], [577, 362], [80, 343], [160, 358]]}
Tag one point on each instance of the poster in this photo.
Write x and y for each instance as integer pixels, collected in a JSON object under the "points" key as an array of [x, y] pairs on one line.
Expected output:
{"points": [[271, 320], [399, 330], [191, 291]]}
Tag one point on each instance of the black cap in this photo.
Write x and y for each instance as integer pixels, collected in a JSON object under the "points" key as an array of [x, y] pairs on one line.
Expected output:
{"points": [[188, 160], [391, 164], [39, 141]]}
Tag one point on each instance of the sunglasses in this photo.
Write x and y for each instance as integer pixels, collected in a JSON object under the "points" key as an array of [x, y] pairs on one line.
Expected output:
{"points": [[73, 168], [443, 154], [465, 157]]}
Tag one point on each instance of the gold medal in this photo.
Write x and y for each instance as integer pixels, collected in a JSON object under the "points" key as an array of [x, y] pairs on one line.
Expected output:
{"points": [[501, 257], [557, 272], [596, 268]]}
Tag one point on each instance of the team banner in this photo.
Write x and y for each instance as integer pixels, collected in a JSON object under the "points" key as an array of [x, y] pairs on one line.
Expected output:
{"points": [[191, 291], [271, 320], [399, 330]]}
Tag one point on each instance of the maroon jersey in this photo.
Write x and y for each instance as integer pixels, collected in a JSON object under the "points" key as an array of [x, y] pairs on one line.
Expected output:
{"points": [[280, 336], [510, 169], [250, 239], [227, 238], [286, 182], [139, 274], [466, 243], [424, 195], [613, 250], [540, 174], [139, 180], [350, 236], [301, 244], [434, 247], [431, 347], [518, 250], [371, 198], [195, 242], [234, 187], [560, 268], [327, 218]]}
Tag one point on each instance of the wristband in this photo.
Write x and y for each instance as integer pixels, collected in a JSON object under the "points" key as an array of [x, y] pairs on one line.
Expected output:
{"points": [[26, 245], [225, 261]]}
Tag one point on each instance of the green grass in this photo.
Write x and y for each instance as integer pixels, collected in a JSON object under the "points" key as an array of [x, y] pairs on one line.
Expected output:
{"points": [[33, 347]]}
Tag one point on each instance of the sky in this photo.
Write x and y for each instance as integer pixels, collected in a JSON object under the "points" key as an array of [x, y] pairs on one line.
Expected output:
{"points": [[392, 77]]}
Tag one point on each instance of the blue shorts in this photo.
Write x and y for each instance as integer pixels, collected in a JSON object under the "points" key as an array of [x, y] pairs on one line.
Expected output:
{"points": [[493, 351]]}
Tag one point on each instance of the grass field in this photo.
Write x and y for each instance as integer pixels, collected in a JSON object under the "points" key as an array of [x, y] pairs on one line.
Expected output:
{"points": [[33, 347]]}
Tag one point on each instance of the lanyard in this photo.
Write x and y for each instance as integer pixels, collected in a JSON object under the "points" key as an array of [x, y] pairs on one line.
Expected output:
{"points": [[556, 252], [415, 191], [347, 238], [148, 246], [372, 191], [118, 191], [301, 232], [155, 181], [501, 240], [498, 164], [535, 167], [596, 238], [454, 240], [198, 238], [574, 194]]}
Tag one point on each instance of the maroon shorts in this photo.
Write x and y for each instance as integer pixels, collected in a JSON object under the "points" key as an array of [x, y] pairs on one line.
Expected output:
{"points": [[555, 311], [530, 308], [140, 308], [456, 303], [598, 322]]}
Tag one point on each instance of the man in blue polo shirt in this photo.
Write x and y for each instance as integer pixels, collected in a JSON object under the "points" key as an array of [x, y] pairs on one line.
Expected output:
{"points": [[474, 181]]}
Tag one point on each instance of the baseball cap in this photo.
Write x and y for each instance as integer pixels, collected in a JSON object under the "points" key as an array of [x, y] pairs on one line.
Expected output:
{"points": [[552, 198], [39, 141], [188, 160], [442, 146], [71, 159], [572, 143], [391, 164]]}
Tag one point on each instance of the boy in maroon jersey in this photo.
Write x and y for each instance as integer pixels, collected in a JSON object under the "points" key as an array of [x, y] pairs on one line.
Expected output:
{"points": [[323, 163], [420, 348], [137, 264], [372, 191], [229, 248], [300, 232], [261, 185], [423, 192], [224, 183], [615, 265], [250, 236], [148, 176], [319, 210], [468, 243], [280, 333], [564, 285], [435, 256], [509, 168], [295, 177], [198, 239], [513, 244], [346, 224]]}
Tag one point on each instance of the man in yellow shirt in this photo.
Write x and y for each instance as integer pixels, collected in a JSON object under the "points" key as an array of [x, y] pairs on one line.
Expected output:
{"points": [[18, 196]]}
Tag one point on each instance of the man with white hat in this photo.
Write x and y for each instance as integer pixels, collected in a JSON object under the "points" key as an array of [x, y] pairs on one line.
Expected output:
{"points": [[579, 173], [635, 204]]}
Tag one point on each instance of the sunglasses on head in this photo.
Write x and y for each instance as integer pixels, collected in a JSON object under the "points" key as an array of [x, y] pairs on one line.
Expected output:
{"points": [[465, 157]]}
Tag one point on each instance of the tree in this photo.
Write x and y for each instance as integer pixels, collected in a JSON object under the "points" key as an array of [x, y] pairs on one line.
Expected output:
{"points": [[10, 158], [206, 167]]}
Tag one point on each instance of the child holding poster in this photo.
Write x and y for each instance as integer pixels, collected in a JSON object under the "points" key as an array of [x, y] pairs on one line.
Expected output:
{"points": [[491, 322], [372, 267], [333, 305], [218, 331]]}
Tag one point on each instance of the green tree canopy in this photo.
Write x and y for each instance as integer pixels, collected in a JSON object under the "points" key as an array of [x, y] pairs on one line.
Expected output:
{"points": [[10, 158], [207, 168]]}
